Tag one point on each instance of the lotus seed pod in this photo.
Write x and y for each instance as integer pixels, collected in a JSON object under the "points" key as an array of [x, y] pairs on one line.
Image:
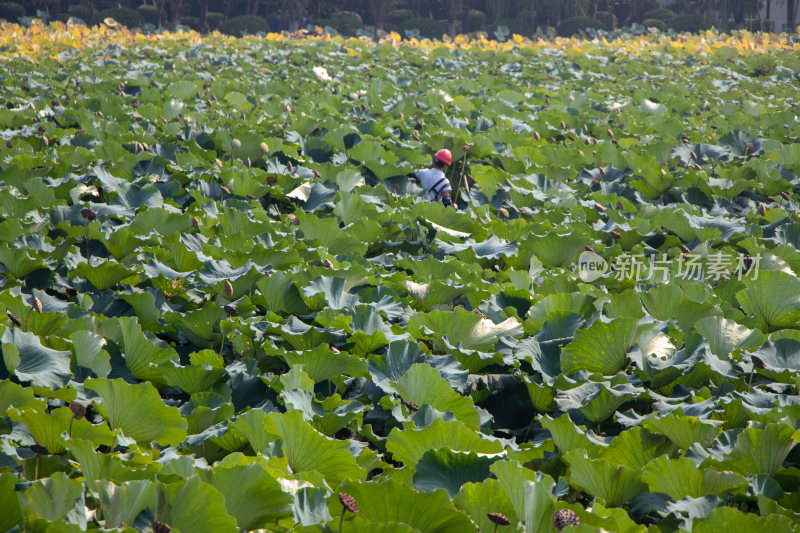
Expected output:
{"points": [[236, 144], [498, 518], [14, 319], [160, 527], [225, 189], [616, 235], [230, 310], [327, 263], [38, 449], [412, 406], [348, 502], [757, 362], [88, 214], [589, 249], [600, 208], [293, 220], [564, 518], [195, 223], [620, 205]]}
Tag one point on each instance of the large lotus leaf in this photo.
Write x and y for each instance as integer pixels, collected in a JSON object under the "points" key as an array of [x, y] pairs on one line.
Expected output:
{"points": [[89, 353], [773, 298], [281, 294], [761, 451], [333, 291], [13, 395], [423, 385], [680, 478], [305, 337], [122, 503], [579, 303], [542, 396], [464, 328], [26, 358], [138, 411], [741, 144], [669, 302], [477, 498], [327, 232], [308, 450], [597, 401], [17, 262], [252, 495], [409, 445], [49, 429], [321, 363], [195, 506], [449, 470], [635, 448], [566, 435], [615, 485], [602, 347], [683, 430], [401, 355], [781, 352], [52, 498], [199, 326], [11, 516], [161, 221], [513, 478], [539, 505], [192, 378], [731, 519], [390, 501], [96, 466], [725, 335], [143, 353], [103, 275], [556, 250], [491, 248]]}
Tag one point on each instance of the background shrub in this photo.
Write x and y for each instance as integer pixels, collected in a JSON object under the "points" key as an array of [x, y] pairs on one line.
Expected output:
{"points": [[245, 24], [123, 15], [693, 22], [427, 27], [524, 23], [476, 20], [655, 23], [191, 22], [80, 12], [661, 14], [214, 20], [607, 18], [11, 11], [396, 17], [150, 14], [573, 25]]}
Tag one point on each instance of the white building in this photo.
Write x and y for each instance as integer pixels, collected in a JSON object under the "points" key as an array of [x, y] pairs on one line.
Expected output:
{"points": [[776, 11]]}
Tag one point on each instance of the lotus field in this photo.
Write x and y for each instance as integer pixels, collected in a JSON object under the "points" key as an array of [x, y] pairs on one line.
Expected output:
{"points": [[227, 308]]}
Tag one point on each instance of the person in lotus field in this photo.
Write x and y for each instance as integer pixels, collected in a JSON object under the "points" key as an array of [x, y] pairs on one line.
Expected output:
{"points": [[433, 179]]}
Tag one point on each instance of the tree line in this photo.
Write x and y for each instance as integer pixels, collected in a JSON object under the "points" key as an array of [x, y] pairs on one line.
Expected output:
{"points": [[454, 16]]}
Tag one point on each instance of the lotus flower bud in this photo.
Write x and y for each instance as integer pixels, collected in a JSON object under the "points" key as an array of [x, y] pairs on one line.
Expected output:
{"points": [[230, 310], [293, 220], [225, 189], [14, 319], [589, 249], [218, 162], [564, 518], [616, 235], [78, 410], [160, 527], [348, 502], [537, 136], [265, 148], [785, 195], [228, 288], [37, 305], [236, 144], [88, 214], [195, 223], [599, 207], [9, 144]]}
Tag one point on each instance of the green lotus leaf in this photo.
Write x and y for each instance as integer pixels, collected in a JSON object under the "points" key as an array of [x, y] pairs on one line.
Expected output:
{"points": [[49, 429], [52, 498], [542, 396], [13, 395], [327, 232], [89, 353], [556, 250], [138, 411], [680, 478], [781, 352], [161, 221], [122, 503], [597, 401], [635, 448], [307, 450], [462, 327], [539, 505], [143, 354], [281, 294], [103, 274], [615, 485], [252, 495], [11, 516], [195, 506], [191, 379], [730, 519], [17, 262], [333, 290], [449, 470], [476, 498], [26, 357], [602, 347], [409, 445], [304, 337], [390, 501], [514, 478], [321, 363], [667, 302], [761, 451], [724, 335], [95, 466], [199, 326], [773, 298], [423, 385], [566, 435], [683, 430]]}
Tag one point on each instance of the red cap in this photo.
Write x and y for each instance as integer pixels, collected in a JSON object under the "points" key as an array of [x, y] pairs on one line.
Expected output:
{"points": [[444, 156]]}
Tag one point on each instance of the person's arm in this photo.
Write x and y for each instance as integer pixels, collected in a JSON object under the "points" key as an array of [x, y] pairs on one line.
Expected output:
{"points": [[446, 201]]}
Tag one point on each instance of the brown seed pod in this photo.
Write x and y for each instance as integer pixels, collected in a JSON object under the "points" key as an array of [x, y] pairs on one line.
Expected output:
{"points": [[36, 305], [564, 518], [293, 220], [616, 234], [78, 410], [610, 133], [230, 310], [271, 180], [589, 249], [218, 162], [225, 189], [737, 209], [348, 502], [535, 136], [14, 319], [334, 349], [9, 144], [503, 211], [88, 214], [599, 207], [762, 210], [685, 249], [327, 263], [620, 205], [411, 406], [757, 362], [785, 195], [498, 518], [195, 223], [602, 171], [160, 527], [38, 449], [251, 196], [563, 126]]}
